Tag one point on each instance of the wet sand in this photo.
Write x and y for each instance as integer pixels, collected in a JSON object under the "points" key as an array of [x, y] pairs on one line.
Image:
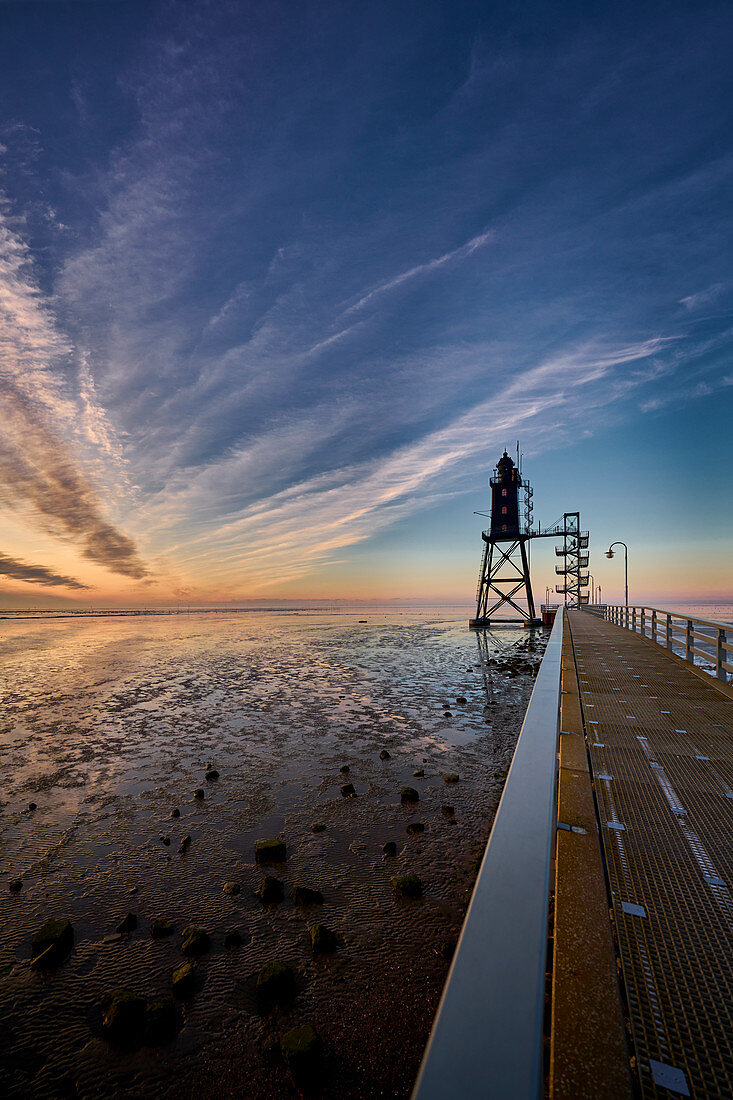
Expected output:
{"points": [[107, 725]]}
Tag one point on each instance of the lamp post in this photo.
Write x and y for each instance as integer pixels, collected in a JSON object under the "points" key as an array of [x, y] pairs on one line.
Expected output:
{"points": [[610, 554], [592, 580]]}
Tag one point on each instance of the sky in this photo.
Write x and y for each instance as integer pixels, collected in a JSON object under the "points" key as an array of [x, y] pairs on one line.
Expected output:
{"points": [[280, 282]]}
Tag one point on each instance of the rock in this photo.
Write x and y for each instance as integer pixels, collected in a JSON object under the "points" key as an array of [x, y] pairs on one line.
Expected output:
{"points": [[348, 790], [408, 886], [415, 827], [270, 851], [127, 924], [195, 942], [161, 1021], [409, 794], [451, 778], [231, 889], [447, 714], [114, 937], [123, 1017], [419, 773], [344, 769], [301, 1049], [212, 775], [323, 940], [461, 700], [15, 885], [233, 938], [447, 949], [175, 812], [303, 895], [271, 889], [52, 943], [185, 980], [448, 810], [390, 848], [276, 982], [166, 840], [32, 806], [198, 793], [384, 755], [185, 842], [318, 827], [160, 927]]}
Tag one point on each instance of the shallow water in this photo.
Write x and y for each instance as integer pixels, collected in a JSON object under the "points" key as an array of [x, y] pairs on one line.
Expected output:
{"points": [[108, 723]]}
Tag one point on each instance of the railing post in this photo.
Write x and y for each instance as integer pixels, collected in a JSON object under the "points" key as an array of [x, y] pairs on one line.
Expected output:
{"points": [[689, 655], [643, 623], [720, 656], [654, 625], [669, 631], [633, 619]]}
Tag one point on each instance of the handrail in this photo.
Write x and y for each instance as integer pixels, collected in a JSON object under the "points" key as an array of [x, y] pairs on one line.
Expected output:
{"points": [[670, 634], [487, 1037]]}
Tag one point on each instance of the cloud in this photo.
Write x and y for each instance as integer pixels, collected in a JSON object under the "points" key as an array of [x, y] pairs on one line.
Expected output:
{"points": [[36, 574], [45, 426], [703, 297]]}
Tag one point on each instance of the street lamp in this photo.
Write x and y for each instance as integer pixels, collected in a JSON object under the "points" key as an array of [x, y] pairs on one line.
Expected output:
{"points": [[610, 554], [592, 580]]}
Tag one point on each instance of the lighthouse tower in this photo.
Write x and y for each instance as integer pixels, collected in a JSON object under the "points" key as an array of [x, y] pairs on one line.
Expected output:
{"points": [[504, 570]]}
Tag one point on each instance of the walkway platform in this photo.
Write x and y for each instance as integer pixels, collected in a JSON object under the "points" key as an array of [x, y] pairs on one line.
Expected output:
{"points": [[660, 742]]}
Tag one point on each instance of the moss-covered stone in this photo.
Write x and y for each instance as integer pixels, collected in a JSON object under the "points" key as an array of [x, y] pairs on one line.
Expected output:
{"points": [[461, 700], [271, 889], [231, 889], [390, 848], [348, 790], [409, 794], [407, 886], [198, 794], [276, 982], [52, 943], [212, 775], [160, 927], [161, 1021], [415, 827], [344, 769], [185, 981], [32, 806], [419, 773], [301, 1049], [166, 840], [233, 938], [318, 827], [127, 924], [323, 940], [451, 777], [15, 885], [270, 851], [175, 812], [123, 1017], [447, 810], [195, 942], [303, 895], [384, 755]]}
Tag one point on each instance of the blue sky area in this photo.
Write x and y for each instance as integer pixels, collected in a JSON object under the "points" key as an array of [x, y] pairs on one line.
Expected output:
{"points": [[278, 282]]}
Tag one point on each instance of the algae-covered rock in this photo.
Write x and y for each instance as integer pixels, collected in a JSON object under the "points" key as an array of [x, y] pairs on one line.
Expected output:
{"points": [[198, 794], [344, 769], [270, 851], [461, 700], [195, 942], [301, 1049], [276, 982], [161, 1021], [348, 790], [52, 943], [390, 848], [447, 810], [415, 827], [419, 773], [185, 843], [409, 794], [127, 924], [32, 806], [15, 885], [447, 713], [303, 895], [384, 755], [160, 927], [318, 827], [323, 940], [231, 889], [212, 775], [407, 886], [451, 777], [123, 1017], [166, 840], [175, 812], [185, 981], [271, 889], [233, 938]]}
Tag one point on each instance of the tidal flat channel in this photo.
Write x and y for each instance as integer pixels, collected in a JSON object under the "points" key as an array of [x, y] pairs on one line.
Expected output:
{"points": [[110, 725]]}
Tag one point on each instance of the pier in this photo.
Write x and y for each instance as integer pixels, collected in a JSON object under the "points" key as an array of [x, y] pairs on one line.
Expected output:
{"points": [[596, 959]]}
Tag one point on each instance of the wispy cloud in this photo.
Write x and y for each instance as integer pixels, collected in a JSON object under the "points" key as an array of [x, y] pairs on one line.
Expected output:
{"points": [[36, 574]]}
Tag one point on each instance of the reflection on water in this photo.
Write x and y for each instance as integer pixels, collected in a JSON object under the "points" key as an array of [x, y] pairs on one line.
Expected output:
{"points": [[107, 724]]}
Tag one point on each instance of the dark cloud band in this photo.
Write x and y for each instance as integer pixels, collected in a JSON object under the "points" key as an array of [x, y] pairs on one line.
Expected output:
{"points": [[35, 574]]}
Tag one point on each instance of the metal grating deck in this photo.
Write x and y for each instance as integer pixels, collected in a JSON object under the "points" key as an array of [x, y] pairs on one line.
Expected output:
{"points": [[661, 747]]}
